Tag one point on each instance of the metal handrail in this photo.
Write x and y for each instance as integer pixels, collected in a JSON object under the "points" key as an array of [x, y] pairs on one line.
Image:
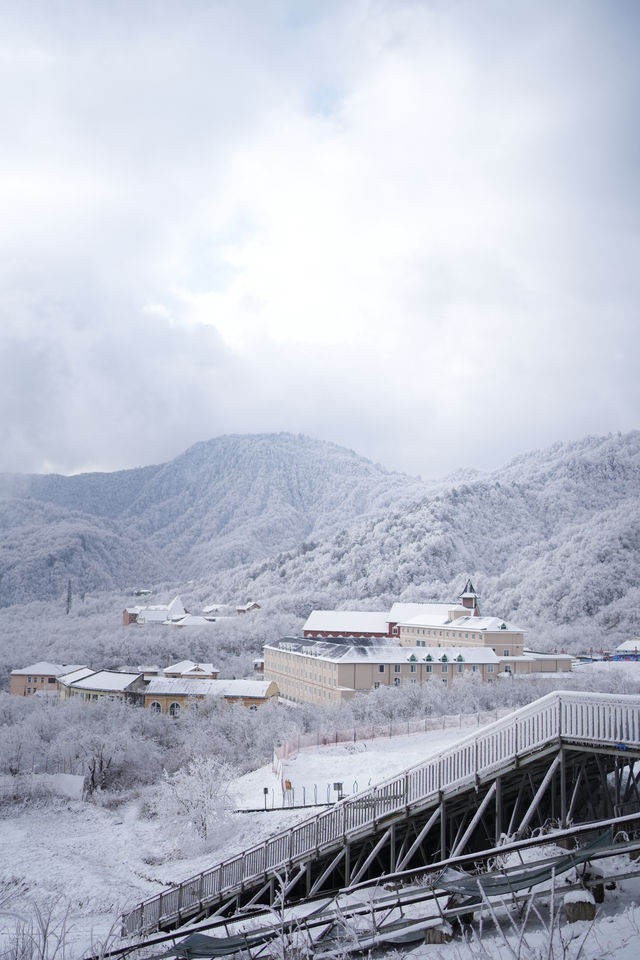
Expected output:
{"points": [[574, 717]]}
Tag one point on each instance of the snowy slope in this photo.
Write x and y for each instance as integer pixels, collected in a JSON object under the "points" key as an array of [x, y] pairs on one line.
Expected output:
{"points": [[551, 540], [228, 501]]}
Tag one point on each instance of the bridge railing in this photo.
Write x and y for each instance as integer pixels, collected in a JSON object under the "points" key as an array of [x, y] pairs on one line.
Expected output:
{"points": [[576, 717]]}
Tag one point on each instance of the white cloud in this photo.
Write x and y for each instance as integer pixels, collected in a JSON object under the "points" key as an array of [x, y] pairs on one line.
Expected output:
{"points": [[374, 222]]}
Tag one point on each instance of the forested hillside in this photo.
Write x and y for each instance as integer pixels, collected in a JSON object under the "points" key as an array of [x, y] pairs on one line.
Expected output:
{"points": [[228, 501], [551, 540]]}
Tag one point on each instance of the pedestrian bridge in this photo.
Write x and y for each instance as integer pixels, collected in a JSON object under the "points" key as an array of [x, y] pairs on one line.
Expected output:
{"points": [[568, 758]]}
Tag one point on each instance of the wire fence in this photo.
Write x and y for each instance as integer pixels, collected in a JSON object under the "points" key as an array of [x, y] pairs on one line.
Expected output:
{"points": [[392, 728]]}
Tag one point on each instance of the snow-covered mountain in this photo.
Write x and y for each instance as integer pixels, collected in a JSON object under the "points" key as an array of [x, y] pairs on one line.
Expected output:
{"points": [[551, 540], [225, 502]]}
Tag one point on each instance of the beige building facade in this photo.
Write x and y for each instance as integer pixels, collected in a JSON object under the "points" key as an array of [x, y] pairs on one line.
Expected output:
{"points": [[309, 671], [503, 638], [41, 677], [171, 695]]}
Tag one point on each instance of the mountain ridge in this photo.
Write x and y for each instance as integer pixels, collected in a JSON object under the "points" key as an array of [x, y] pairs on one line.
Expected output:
{"points": [[550, 539]]}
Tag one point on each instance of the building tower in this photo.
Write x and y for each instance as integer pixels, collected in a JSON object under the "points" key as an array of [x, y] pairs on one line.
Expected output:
{"points": [[469, 598]]}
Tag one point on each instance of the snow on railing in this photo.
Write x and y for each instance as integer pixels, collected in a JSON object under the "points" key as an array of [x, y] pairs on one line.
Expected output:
{"points": [[574, 717]]}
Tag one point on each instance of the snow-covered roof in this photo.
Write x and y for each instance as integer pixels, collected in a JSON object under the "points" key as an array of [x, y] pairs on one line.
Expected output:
{"points": [[347, 621], [476, 624], [159, 612], [188, 620], [76, 674], [383, 653], [190, 668], [209, 688], [402, 612], [629, 646], [106, 680], [215, 607], [45, 668]]}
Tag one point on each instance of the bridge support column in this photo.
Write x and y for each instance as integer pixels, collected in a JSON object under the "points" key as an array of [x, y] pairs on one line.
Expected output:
{"points": [[498, 820], [392, 849], [405, 858], [533, 806], [475, 820], [563, 788]]}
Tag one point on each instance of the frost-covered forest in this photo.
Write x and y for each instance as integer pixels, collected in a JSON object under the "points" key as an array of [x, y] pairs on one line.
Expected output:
{"points": [[550, 541], [229, 501]]}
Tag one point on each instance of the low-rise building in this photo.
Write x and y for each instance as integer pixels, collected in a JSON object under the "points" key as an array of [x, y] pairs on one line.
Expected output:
{"points": [[628, 650], [318, 671], [38, 677], [93, 685], [247, 607], [158, 613], [171, 695]]}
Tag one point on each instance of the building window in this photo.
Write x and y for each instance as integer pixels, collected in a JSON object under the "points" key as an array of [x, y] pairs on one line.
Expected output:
{"points": [[28, 679], [506, 653], [413, 668], [460, 668], [490, 668], [396, 668], [396, 681], [444, 667], [376, 684], [507, 668], [51, 680], [381, 668], [428, 668], [174, 710], [475, 667], [155, 707]]}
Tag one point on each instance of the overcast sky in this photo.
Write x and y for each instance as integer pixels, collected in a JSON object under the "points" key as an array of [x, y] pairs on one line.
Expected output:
{"points": [[410, 228]]}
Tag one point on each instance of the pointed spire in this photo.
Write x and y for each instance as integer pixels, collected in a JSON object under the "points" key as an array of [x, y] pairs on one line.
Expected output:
{"points": [[469, 598]]}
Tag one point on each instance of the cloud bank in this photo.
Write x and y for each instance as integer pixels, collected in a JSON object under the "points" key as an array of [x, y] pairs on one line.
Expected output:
{"points": [[408, 227]]}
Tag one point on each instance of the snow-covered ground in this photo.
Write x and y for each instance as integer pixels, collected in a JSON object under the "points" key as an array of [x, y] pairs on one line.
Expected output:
{"points": [[99, 861], [95, 861]]}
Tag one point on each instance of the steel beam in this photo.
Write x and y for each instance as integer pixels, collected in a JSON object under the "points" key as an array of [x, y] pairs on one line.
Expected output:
{"points": [[403, 861], [474, 820], [533, 806]]}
